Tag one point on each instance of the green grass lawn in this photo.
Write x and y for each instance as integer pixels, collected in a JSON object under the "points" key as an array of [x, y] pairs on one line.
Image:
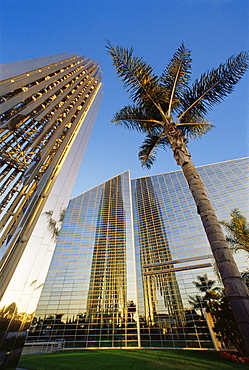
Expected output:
{"points": [[128, 359]]}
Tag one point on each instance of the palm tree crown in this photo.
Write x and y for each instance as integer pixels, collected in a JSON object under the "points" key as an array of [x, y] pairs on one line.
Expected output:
{"points": [[166, 106], [237, 231], [204, 284]]}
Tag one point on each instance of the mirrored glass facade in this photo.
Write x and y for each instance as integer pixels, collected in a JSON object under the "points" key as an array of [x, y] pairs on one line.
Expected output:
{"points": [[47, 110], [127, 257]]}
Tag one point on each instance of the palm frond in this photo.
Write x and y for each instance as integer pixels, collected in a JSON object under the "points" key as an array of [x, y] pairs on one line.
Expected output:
{"points": [[148, 150], [195, 129], [196, 301], [176, 76], [137, 76], [237, 231], [213, 86], [136, 118]]}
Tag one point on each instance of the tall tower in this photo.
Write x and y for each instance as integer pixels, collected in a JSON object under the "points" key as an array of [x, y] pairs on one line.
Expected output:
{"points": [[90, 288], [47, 110]]}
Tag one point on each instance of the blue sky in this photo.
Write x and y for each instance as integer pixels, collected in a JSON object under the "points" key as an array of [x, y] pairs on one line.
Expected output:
{"points": [[212, 29]]}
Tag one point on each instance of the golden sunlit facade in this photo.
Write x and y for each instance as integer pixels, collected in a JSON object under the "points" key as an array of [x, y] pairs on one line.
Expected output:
{"points": [[47, 109], [126, 260]]}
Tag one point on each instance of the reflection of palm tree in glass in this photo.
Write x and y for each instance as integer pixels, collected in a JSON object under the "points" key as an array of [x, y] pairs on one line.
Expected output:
{"points": [[209, 290], [107, 288], [154, 249]]}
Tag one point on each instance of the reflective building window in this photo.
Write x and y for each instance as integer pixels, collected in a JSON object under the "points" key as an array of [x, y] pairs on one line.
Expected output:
{"points": [[128, 258]]}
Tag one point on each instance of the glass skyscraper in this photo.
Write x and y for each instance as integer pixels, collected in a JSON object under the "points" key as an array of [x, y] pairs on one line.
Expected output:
{"points": [[128, 254], [47, 110]]}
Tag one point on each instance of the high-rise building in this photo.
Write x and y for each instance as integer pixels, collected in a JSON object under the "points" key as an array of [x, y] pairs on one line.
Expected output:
{"points": [[47, 109], [128, 255]]}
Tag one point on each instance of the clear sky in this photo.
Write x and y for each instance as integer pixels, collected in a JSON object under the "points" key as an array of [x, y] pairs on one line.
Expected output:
{"points": [[212, 29]]}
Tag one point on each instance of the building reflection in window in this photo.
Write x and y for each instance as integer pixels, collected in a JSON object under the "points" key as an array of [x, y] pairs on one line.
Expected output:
{"points": [[154, 250], [107, 295]]}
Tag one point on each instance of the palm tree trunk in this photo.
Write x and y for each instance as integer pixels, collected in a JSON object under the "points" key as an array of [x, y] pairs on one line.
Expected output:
{"points": [[235, 286]]}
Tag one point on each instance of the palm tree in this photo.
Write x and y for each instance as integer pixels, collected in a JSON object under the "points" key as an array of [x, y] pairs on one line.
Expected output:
{"points": [[238, 231], [169, 112]]}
